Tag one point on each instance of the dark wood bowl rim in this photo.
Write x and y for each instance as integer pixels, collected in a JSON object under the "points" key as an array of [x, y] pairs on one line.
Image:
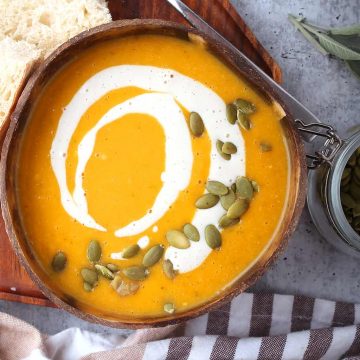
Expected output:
{"points": [[237, 288]]}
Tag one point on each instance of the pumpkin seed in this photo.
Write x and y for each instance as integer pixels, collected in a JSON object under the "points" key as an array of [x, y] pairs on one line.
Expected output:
{"points": [[352, 160], [177, 239], [233, 187], [219, 145], [168, 269], [345, 181], [136, 272], [124, 288], [87, 287], [196, 124], [231, 113], [229, 148], [238, 208], [216, 188], [225, 221], [212, 236], [244, 188], [112, 267], [104, 271], [265, 146], [255, 185], [347, 200], [355, 190], [246, 107], [169, 308], [356, 210], [153, 255], [356, 180], [94, 251], [59, 261], [346, 173], [357, 172], [207, 201], [116, 282], [356, 224], [89, 275], [345, 188], [227, 200], [130, 251], [243, 120], [191, 232]]}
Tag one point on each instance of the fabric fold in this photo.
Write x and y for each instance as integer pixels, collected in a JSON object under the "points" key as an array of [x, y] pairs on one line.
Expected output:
{"points": [[252, 326]]}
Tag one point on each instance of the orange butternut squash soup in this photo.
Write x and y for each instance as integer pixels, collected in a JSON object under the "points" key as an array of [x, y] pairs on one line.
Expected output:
{"points": [[151, 176]]}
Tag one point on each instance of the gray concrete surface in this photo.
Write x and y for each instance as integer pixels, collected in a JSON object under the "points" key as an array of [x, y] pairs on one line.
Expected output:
{"points": [[309, 266]]}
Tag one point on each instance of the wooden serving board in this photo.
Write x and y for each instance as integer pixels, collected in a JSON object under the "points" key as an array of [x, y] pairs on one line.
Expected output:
{"points": [[15, 284]]}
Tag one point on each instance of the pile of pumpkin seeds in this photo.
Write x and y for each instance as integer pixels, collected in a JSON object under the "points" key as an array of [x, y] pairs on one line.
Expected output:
{"points": [[350, 191], [234, 199]]}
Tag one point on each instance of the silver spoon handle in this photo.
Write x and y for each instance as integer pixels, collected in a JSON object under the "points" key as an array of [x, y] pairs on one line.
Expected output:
{"points": [[298, 110]]}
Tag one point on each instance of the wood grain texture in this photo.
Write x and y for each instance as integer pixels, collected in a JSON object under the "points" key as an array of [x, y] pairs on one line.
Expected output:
{"points": [[15, 284]]}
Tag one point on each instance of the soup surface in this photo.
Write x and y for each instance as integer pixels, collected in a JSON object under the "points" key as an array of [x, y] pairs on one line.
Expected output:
{"points": [[108, 155]]}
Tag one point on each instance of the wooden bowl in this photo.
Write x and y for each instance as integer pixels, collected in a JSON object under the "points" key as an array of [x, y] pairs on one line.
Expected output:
{"points": [[9, 164]]}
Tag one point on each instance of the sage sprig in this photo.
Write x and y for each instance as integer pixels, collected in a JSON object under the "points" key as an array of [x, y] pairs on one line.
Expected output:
{"points": [[343, 43]]}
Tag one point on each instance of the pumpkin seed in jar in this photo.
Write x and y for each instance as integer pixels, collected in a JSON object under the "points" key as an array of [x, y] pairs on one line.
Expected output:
{"points": [[244, 188], [113, 268], [136, 272], [104, 271], [169, 308], [130, 251], [227, 200], [87, 287], [216, 188], [357, 172], [196, 124], [346, 173], [347, 200], [168, 269], [207, 201], [346, 181], [231, 113], [356, 210], [219, 145], [89, 275], [225, 221], [246, 107], [352, 160], [229, 148], [94, 251], [355, 190], [265, 146], [177, 239], [243, 120], [212, 236], [153, 255], [238, 208], [191, 232], [59, 261]]}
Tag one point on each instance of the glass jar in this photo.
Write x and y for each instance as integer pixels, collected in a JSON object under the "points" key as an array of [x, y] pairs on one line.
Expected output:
{"points": [[325, 170]]}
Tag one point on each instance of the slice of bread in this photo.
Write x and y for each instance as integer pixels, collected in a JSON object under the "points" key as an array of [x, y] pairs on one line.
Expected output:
{"points": [[30, 30], [46, 24], [16, 61]]}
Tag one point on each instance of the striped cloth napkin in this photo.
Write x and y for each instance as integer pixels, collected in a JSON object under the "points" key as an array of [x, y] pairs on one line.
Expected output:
{"points": [[252, 326]]}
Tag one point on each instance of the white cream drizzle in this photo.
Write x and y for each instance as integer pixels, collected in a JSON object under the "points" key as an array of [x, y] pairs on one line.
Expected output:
{"points": [[171, 86]]}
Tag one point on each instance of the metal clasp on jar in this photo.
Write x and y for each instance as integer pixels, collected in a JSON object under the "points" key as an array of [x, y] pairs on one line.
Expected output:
{"points": [[328, 149]]}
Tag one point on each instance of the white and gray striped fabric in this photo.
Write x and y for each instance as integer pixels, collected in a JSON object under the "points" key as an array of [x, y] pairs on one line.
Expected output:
{"points": [[252, 326]]}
